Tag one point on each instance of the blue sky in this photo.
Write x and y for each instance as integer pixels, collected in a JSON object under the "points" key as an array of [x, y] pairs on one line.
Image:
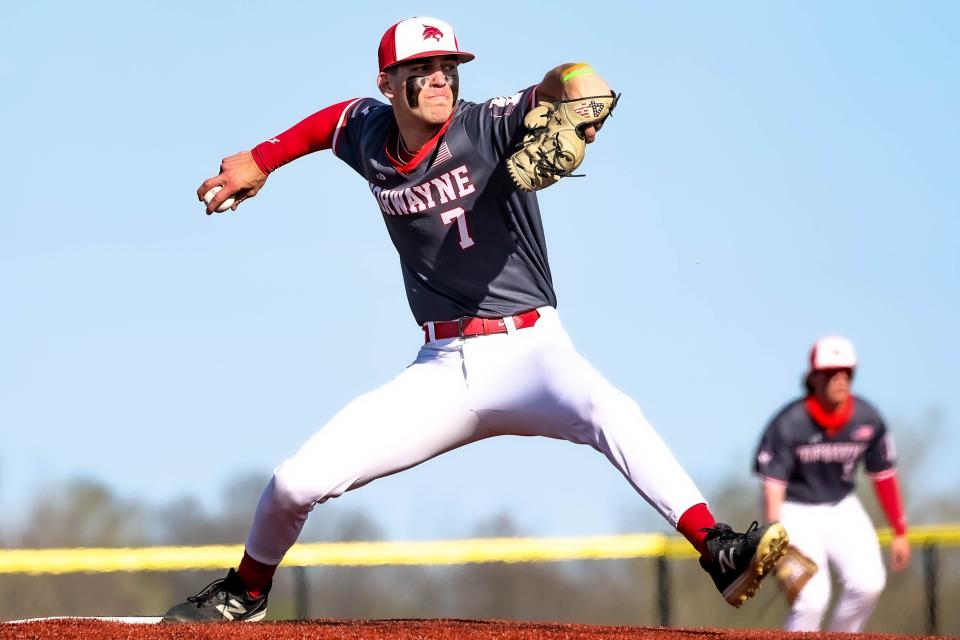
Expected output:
{"points": [[774, 172]]}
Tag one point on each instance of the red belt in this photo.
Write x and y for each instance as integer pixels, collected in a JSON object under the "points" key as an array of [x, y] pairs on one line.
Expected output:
{"points": [[468, 327]]}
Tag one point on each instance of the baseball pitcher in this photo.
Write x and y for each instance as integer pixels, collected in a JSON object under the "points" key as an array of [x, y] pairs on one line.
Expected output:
{"points": [[455, 183]]}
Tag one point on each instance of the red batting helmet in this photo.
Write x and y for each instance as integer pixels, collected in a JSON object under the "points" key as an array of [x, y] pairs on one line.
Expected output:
{"points": [[420, 37]]}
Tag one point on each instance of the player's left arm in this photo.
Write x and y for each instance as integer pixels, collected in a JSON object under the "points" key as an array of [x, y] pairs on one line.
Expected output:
{"points": [[570, 81], [880, 463], [774, 463], [887, 489]]}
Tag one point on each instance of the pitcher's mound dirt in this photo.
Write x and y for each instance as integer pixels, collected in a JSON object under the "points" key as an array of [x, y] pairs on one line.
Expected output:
{"points": [[86, 629]]}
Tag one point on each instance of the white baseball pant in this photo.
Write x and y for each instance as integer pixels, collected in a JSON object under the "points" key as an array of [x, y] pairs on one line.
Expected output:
{"points": [[842, 537], [526, 382]]}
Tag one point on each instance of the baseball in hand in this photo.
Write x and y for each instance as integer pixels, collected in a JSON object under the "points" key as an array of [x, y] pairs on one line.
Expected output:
{"points": [[208, 196]]}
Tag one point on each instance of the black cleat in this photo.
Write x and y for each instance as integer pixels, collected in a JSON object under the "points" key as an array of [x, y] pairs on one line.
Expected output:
{"points": [[737, 562], [223, 599]]}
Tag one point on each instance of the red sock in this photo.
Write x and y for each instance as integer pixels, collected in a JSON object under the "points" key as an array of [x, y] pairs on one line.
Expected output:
{"points": [[692, 523], [255, 575]]}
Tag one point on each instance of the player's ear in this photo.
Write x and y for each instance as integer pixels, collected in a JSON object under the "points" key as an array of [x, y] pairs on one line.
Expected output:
{"points": [[383, 83]]}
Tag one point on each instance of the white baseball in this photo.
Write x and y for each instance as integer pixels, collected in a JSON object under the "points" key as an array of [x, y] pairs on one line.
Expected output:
{"points": [[208, 196]]}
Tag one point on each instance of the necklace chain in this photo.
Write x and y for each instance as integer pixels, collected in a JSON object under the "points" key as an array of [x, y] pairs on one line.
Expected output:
{"points": [[402, 152]]}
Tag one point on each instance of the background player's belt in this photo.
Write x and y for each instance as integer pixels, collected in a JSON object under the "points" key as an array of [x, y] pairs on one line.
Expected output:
{"points": [[468, 327]]}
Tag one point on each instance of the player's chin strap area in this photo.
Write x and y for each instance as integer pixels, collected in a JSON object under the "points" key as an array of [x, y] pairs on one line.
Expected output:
{"points": [[469, 327]]}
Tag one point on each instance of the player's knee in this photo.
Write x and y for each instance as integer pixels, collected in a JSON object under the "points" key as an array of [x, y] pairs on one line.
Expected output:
{"points": [[866, 588], [291, 488], [298, 487], [813, 599]]}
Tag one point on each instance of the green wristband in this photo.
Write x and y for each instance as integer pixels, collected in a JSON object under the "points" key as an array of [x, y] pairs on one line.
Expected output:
{"points": [[576, 70]]}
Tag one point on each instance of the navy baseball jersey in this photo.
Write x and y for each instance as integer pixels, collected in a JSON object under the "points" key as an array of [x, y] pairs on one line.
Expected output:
{"points": [[818, 465], [470, 242]]}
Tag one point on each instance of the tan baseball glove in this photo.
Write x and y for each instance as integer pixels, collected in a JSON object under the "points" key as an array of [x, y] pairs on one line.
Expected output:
{"points": [[553, 146], [794, 571]]}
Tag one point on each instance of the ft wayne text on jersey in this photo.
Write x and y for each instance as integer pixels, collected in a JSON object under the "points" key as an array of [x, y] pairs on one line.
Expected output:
{"points": [[445, 188]]}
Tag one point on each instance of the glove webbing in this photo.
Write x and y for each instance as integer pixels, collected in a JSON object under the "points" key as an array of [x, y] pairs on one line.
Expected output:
{"points": [[547, 164]]}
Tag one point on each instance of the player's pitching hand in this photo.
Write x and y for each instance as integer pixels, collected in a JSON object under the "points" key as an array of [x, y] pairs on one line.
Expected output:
{"points": [[239, 177], [899, 553]]}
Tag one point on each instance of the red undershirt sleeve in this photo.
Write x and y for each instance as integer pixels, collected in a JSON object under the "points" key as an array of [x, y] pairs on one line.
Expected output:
{"points": [[313, 133], [887, 488]]}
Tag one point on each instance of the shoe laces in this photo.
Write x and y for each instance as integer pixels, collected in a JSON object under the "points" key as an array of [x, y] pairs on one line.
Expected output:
{"points": [[725, 532], [207, 592]]}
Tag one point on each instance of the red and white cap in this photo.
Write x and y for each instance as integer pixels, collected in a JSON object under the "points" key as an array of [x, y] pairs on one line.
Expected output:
{"points": [[832, 352], [420, 37]]}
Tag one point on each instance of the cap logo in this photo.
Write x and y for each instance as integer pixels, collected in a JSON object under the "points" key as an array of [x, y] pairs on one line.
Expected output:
{"points": [[432, 32]]}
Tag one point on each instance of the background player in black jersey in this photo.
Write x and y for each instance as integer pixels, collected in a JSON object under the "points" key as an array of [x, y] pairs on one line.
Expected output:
{"points": [[807, 458], [495, 359]]}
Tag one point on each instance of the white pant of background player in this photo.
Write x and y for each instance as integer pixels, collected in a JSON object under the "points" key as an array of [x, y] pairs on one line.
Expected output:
{"points": [[528, 382], [839, 537]]}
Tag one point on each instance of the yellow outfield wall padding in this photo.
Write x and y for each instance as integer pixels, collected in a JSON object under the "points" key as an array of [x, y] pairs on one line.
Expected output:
{"points": [[357, 554]]}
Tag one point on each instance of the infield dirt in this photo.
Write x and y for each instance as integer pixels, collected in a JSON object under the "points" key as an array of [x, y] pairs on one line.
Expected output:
{"points": [[77, 629]]}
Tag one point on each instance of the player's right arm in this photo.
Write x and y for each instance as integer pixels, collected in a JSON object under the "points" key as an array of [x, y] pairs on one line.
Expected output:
{"points": [[774, 494], [773, 464], [243, 174], [239, 177]]}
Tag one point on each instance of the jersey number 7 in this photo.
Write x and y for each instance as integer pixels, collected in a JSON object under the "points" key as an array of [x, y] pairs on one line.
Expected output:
{"points": [[460, 215]]}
